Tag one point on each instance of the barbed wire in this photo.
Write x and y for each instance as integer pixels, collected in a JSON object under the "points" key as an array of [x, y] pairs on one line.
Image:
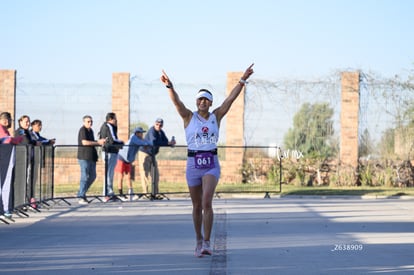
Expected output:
{"points": [[270, 105]]}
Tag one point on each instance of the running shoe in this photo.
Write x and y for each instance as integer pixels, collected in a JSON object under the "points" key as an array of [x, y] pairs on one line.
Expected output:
{"points": [[123, 198], [198, 249], [206, 250], [83, 201], [33, 203], [136, 197], [8, 215]]}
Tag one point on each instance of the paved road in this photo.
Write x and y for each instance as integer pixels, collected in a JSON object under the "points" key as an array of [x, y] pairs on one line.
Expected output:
{"points": [[292, 235]]}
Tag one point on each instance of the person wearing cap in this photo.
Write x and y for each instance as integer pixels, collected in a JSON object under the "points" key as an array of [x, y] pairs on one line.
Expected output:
{"points": [[147, 157], [203, 167], [126, 157]]}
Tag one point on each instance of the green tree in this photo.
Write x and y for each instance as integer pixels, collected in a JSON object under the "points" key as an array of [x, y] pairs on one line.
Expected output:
{"points": [[312, 130]]}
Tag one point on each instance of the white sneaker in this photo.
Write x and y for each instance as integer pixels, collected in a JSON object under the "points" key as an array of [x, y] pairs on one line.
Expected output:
{"points": [[8, 215], [198, 249], [206, 250], [123, 198], [83, 201]]}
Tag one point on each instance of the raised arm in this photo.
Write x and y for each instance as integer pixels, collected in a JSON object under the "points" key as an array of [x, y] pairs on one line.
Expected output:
{"points": [[183, 111], [222, 110]]}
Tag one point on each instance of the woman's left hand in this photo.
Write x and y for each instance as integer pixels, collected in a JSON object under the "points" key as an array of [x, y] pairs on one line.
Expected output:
{"points": [[165, 79], [249, 71]]}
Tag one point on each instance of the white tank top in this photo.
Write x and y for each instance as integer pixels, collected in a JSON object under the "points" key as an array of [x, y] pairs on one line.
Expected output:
{"points": [[201, 134]]}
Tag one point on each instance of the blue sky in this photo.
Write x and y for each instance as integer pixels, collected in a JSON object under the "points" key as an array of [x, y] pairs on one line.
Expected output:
{"points": [[85, 41]]}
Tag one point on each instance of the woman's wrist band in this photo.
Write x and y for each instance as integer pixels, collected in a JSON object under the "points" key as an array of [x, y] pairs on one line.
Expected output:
{"points": [[243, 82], [168, 86]]}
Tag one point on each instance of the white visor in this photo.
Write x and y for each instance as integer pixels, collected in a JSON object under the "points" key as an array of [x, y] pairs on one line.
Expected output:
{"points": [[204, 94]]}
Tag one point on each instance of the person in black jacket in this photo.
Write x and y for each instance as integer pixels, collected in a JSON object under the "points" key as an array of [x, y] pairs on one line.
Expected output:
{"points": [[24, 131], [30, 142], [109, 131]]}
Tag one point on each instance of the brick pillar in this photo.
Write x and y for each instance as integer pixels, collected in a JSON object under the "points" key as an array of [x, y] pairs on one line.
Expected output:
{"points": [[8, 94], [120, 103], [234, 132], [349, 118]]}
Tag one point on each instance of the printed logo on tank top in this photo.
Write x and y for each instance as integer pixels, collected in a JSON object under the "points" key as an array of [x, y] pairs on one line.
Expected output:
{"points": [[204, 137]]}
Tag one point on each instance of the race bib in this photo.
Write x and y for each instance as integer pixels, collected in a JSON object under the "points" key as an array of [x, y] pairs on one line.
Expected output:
{"points": [[204, 160]]}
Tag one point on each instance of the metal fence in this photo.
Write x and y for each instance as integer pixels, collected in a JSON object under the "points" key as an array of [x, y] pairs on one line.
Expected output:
{"points": [[271, 105], [172, 163], [32, 178], [48, 173]]}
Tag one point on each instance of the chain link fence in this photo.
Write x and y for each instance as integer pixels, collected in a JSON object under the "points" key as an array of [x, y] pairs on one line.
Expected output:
{"points": [[278, 115]]}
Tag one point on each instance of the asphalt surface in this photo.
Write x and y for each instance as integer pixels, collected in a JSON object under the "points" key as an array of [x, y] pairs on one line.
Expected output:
{"points": [[290, 235]]}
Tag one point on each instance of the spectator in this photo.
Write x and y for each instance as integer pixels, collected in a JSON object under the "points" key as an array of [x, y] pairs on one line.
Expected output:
{"points": [[147, 157], [126, 157], [28, 139], [109, 132], [7, 162], [23, 130], [39, 152], [87, 157], [35, 133]]}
